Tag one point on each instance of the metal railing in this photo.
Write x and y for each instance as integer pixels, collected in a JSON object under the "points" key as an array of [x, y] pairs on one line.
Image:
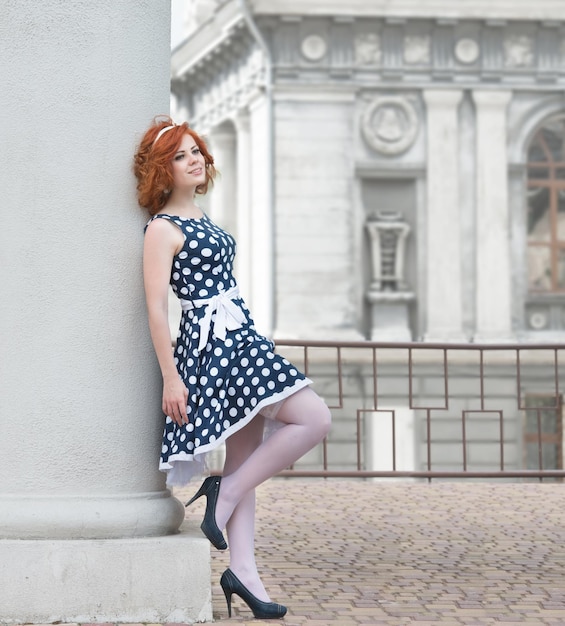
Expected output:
{"points": [[430, 410]]}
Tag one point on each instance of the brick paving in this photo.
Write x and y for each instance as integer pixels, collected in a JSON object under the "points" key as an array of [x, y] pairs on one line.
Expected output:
{"points": [[349, 553]]}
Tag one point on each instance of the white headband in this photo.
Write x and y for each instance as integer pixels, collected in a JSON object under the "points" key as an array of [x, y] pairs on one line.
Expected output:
{"points": [[162, 132]]}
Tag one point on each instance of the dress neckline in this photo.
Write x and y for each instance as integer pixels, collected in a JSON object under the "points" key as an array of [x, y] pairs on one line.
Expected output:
{"points": [[181, 217]]}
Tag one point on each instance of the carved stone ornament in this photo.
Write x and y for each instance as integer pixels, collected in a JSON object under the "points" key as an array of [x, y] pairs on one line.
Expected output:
{"points": [[538, 320], [368, 49], [314, 47], [467, 50], [417, 50], [389, 124], [518, 51]]}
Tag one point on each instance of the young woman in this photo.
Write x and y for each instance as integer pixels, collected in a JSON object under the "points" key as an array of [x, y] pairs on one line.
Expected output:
{"points": [[223, 379]]}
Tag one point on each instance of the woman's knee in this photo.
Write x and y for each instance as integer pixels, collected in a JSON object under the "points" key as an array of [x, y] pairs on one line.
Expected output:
{"points": [[323, 419]]}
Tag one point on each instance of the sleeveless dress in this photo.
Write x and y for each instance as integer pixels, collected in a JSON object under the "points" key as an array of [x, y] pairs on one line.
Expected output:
{"points": [[232, 373]]}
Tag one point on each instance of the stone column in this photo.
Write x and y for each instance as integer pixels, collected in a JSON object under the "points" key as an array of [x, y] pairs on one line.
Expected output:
{"points": [[243, 169], [444, 302], [223, 194], [261, 220], [494, 317], [87, 528]]}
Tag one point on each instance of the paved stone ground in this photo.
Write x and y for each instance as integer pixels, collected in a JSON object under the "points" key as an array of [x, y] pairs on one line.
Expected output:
{"points": [[348, 553]]}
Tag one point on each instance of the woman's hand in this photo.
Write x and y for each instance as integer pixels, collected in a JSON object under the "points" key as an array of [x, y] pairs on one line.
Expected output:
{"points": [[175, 399]]}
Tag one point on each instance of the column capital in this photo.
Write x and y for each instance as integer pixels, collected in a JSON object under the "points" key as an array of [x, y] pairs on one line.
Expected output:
{"points": [[241, 121], [443, 97], [494, 99]]}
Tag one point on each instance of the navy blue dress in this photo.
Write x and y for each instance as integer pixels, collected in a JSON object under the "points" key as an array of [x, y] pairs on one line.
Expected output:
{"points": [[232, 373]]}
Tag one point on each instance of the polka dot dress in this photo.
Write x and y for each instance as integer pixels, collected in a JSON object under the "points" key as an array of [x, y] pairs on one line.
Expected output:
{"points": [[231, 372]]}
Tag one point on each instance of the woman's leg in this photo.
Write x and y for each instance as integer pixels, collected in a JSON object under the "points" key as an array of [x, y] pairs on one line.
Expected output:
{"points": [[306, 421], [241, 525]]}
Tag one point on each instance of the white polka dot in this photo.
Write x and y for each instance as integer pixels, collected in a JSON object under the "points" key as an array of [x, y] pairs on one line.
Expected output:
{"points": [[282, 377], [206, 252]]}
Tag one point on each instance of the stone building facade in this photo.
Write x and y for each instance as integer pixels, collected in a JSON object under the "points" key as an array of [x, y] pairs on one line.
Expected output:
{"points": [[391, 170]]}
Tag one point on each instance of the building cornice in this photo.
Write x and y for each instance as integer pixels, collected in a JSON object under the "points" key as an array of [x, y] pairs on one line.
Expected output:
{"points": [[450, 9]]}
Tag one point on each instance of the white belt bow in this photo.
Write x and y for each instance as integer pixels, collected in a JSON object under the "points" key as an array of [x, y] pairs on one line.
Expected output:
{"points": [[228, 315]]}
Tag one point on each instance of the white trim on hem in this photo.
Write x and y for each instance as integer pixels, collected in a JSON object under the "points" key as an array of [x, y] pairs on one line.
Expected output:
{"points": [[169, 466]]}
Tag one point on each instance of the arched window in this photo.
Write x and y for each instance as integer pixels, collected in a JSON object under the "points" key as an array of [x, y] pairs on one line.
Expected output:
{"points": [[546, 209]]}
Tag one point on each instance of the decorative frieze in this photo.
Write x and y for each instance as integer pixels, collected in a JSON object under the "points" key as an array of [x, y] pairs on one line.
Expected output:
{"points": [[362, 51], [402, 48]]}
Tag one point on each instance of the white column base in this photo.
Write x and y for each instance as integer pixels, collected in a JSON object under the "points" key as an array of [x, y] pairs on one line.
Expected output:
{"points": [[485, 337], [31, 516], [155, 579], [447, 337]]}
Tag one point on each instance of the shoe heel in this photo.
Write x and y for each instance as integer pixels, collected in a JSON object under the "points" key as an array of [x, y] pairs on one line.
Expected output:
{"points": [[197, 495], [228, 595]]}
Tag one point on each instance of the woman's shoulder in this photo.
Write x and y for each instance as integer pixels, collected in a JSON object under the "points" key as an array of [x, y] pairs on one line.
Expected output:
{"points": [[160, 227]]}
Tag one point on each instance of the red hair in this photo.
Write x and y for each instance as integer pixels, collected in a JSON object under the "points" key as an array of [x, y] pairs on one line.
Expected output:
{"points": [[152, 163]]}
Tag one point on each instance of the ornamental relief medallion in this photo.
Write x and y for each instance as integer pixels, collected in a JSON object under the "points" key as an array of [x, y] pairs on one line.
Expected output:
{"points": [[518, 51], [368, 49], [314, 47], [417, 50], [467, 50], [389, 124]]}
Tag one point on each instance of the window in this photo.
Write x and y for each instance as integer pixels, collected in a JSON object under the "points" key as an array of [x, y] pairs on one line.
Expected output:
{"points": [[543, 432], [546, 209]]}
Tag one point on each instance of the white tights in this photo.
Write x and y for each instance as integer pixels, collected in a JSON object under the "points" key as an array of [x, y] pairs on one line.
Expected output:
{"points": [[250, 461]]}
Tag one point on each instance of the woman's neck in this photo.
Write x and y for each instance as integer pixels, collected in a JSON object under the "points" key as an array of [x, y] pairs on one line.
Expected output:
{"points": [[183, 206]]}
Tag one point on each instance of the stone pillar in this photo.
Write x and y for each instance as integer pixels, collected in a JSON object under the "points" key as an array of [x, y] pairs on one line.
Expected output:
{"points": [[223, 194], [494, 316], [243, 169], [87, 528], [262, 248], [444, 301]]}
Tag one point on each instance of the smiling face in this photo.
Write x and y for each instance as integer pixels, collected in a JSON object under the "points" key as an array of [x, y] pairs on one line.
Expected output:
{"points": [[188, 165]]}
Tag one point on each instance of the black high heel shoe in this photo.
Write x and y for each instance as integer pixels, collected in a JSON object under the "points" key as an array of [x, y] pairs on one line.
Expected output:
{"points": [[210, 488], [261, 610]]}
